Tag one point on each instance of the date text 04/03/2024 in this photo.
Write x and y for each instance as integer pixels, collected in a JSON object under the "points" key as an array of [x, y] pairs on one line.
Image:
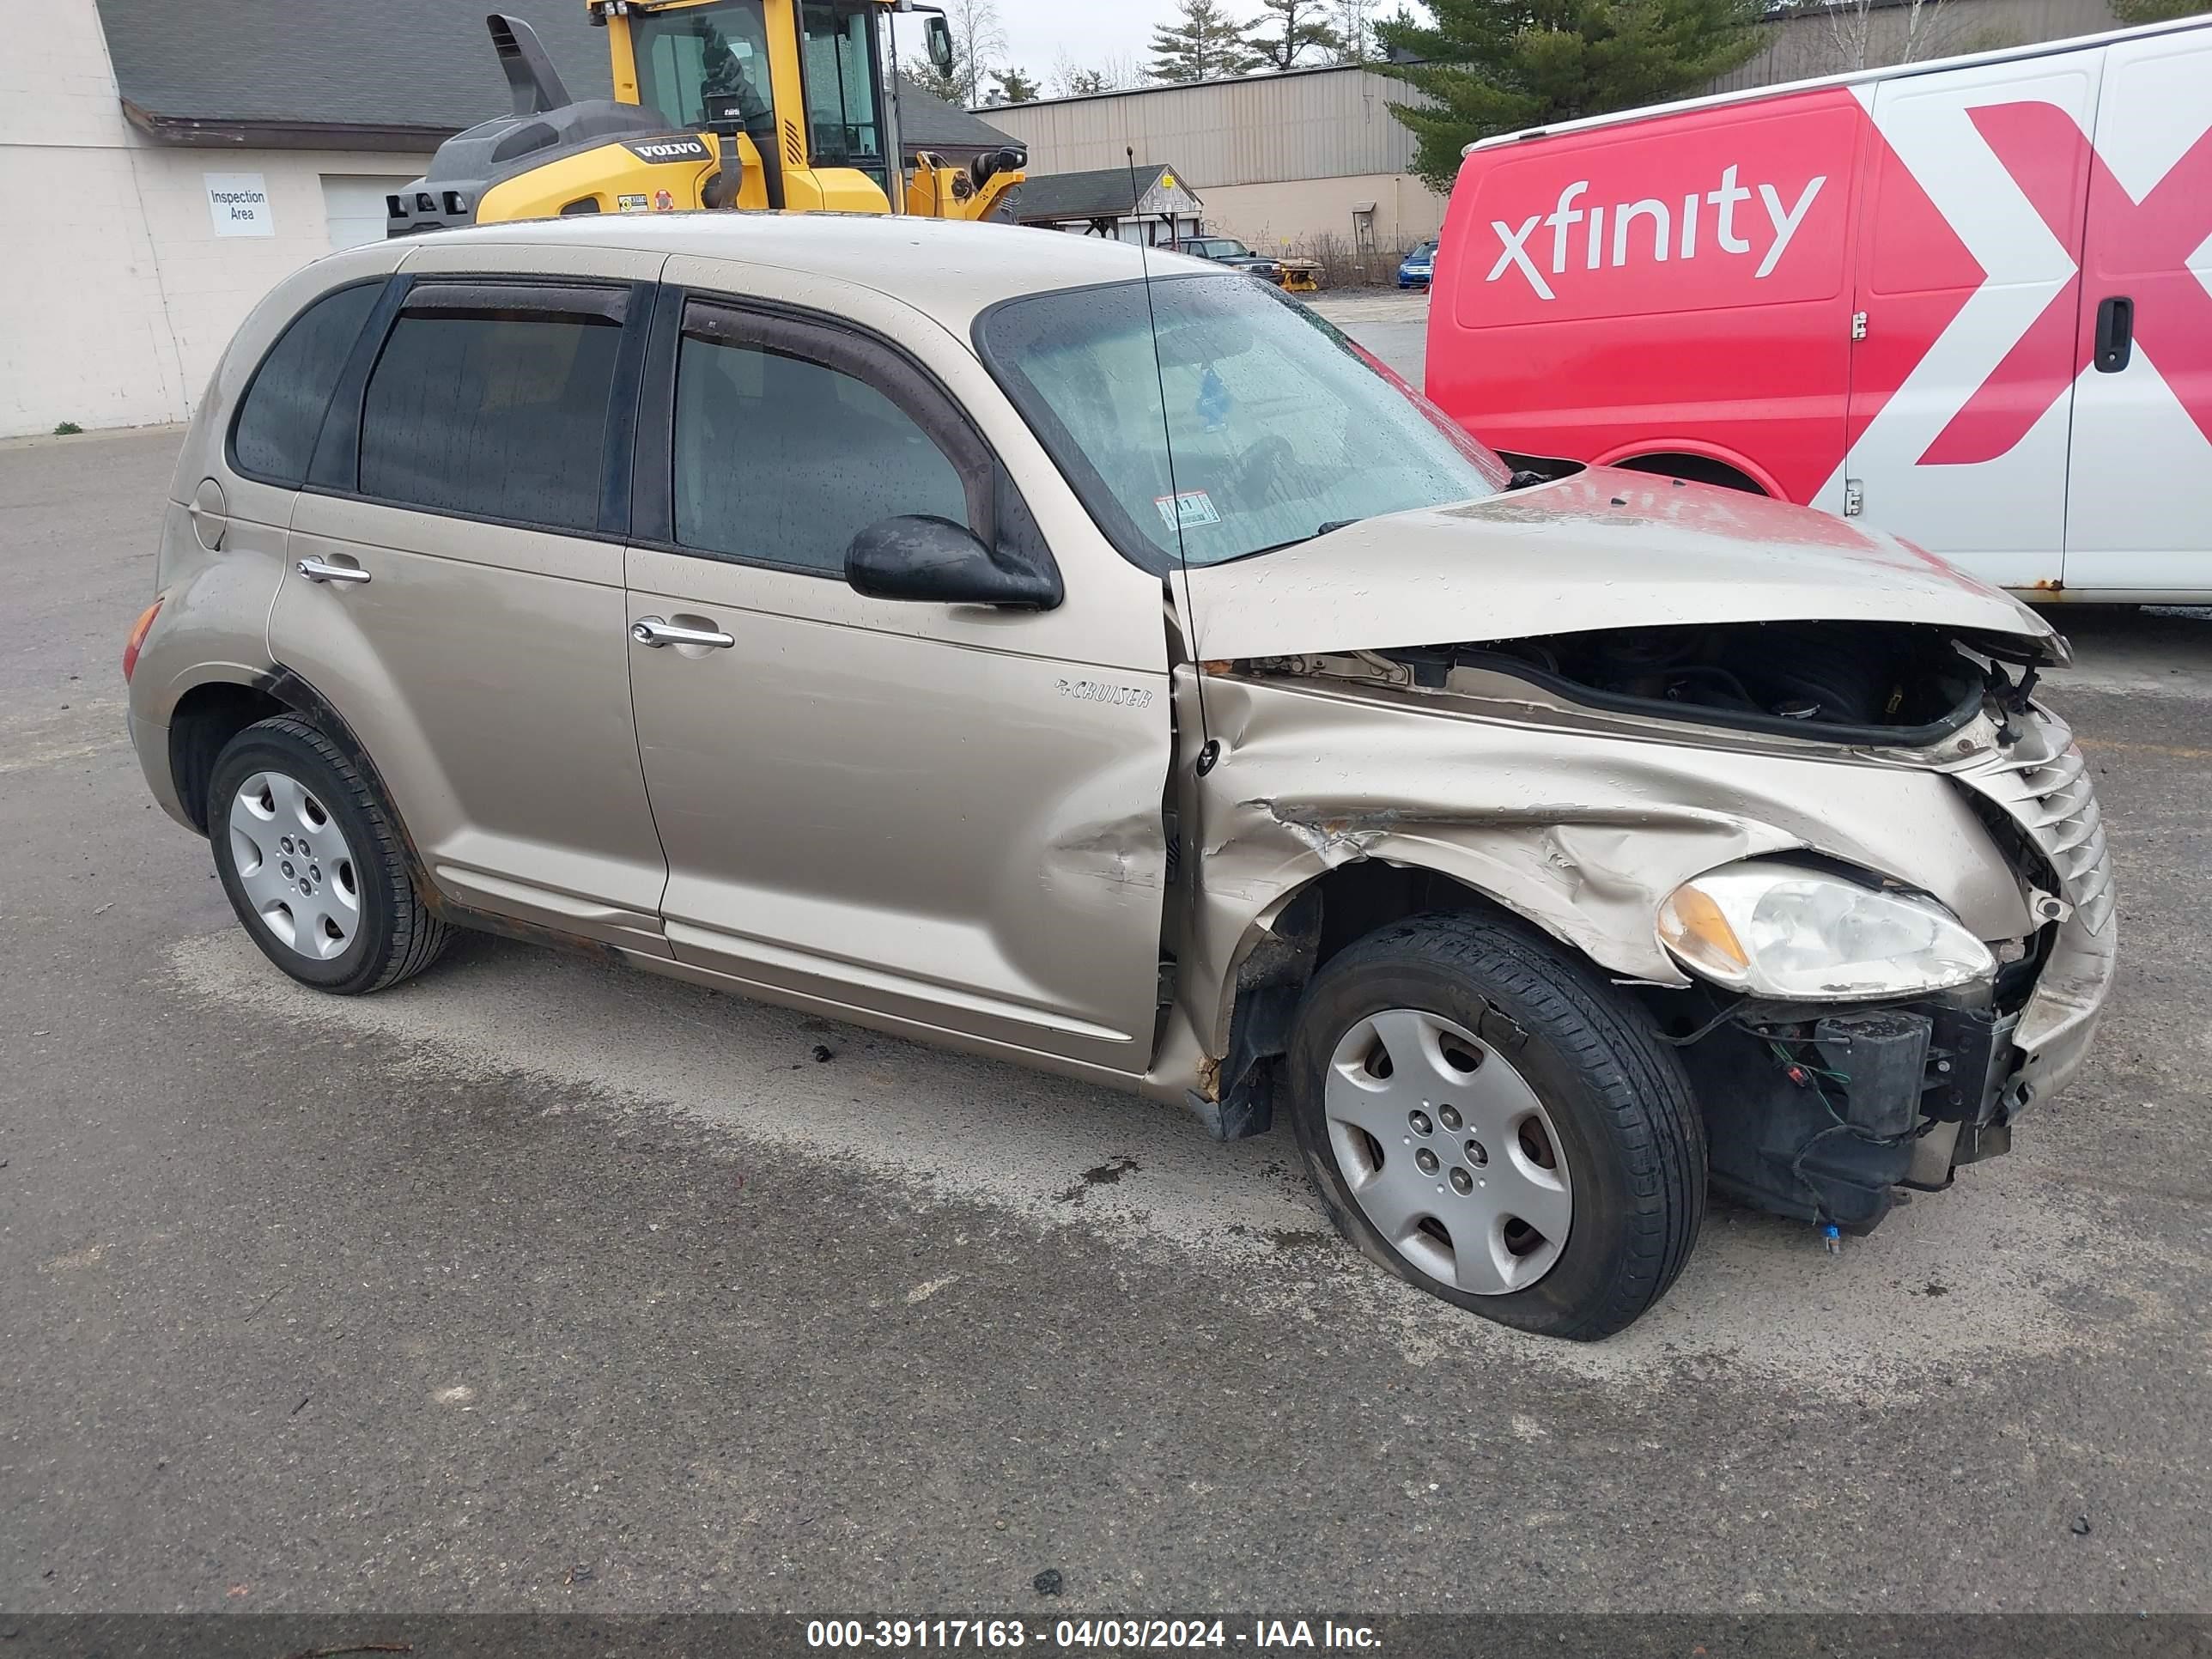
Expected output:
{"points": [[1120, 1635]]}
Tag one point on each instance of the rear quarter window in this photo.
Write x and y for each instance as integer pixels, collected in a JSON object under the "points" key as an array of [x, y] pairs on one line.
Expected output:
{"points": [[282, 413]]}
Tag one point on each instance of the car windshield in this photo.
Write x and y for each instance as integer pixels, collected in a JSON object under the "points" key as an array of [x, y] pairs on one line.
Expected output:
{"points": [[1279, 428], [1426, 250]]}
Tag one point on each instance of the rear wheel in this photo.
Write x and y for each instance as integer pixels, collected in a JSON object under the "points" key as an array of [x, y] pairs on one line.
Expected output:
{"points": [[1493, 1123], [312, 863]]}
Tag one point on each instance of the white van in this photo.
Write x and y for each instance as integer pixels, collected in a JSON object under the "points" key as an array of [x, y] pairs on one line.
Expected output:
{"points": [[1970, 301]]}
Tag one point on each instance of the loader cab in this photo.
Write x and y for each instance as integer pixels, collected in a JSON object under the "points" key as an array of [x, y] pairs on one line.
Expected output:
{"points": [[718, 63]]}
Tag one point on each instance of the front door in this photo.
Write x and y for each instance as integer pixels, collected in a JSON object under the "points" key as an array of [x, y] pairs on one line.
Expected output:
{"points": [[1969, 285], [2139, 504], [946, 816], [456, 594]]}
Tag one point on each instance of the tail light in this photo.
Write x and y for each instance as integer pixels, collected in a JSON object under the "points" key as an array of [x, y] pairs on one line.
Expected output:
{"points": [[130, 646]]}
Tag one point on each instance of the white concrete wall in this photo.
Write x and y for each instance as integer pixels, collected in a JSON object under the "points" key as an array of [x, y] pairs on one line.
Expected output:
{"points": [[1289, 217], [116, 296]]}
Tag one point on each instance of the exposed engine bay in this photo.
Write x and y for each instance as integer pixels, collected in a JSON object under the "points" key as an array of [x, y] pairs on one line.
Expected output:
{"points": [[1822, 1113], [1887, 682]]}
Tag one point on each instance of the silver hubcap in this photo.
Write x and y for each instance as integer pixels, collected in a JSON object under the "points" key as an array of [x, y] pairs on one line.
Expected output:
{"points": [[1448, 1151], [296, 869]]}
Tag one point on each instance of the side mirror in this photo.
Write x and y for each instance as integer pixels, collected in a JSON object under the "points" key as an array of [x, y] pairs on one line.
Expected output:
{"points": [[939, 34], [939, 561]]}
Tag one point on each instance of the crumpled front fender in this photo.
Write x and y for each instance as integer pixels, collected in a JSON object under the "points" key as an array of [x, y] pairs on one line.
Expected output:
{"points": [[1584, 835]]}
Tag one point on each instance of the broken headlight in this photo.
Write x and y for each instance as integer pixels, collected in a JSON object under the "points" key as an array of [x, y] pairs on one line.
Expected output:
{"points": [[1797, 935]]}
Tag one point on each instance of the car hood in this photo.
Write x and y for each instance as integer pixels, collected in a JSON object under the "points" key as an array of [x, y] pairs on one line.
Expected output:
{"points": [[1603, 549]]}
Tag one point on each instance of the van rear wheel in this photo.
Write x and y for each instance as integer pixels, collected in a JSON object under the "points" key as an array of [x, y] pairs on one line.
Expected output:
{"points": [[312, 863], [1490, 1121]]}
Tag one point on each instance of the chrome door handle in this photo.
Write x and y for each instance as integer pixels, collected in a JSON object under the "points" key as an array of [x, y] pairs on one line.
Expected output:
{"points": [[657, 631], [318, 570]]}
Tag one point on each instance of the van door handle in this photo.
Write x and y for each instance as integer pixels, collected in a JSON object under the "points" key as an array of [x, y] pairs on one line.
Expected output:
{"points": [[321, 570], [657, 631], [2116, 334]]}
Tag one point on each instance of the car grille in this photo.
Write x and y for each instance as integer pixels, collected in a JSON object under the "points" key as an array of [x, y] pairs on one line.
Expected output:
{"points": [[2041, 784]]}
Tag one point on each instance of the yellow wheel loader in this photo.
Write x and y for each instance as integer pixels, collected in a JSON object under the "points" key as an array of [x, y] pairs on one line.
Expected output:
{"points": [[769, 104]]}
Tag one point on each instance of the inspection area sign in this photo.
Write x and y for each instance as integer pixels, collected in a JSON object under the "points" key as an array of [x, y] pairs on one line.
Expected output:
{"points": [[239, 205]]}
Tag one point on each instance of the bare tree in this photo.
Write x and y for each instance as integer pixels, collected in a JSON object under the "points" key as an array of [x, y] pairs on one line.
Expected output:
{"points": [[1840, 35], [979, 40], [1353, 21], [1112, 74]]}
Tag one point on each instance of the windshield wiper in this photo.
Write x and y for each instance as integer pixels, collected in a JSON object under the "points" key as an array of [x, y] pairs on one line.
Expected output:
{"points": [[1299, 541]]}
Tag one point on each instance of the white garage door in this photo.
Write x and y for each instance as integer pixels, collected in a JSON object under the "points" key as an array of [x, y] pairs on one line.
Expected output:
{"points": [[353, 204]]}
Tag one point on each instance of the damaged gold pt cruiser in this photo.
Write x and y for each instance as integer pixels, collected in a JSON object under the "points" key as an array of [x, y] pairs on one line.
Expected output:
{"points": [[980, 635]]}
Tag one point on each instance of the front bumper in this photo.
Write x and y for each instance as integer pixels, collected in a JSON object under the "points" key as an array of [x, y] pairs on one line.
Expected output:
{"points": [[2036, 801], [1822, 1112]]}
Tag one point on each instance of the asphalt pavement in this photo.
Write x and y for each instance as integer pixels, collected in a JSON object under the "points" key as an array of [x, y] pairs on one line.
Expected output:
{"points": [[534, 1285]]}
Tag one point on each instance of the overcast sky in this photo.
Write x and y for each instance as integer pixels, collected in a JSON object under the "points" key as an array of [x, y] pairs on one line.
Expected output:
{"points": [[1089, 30], [1089, 33]]}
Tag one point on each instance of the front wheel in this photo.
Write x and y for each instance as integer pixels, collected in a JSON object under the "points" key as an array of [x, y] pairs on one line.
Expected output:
{"points": [[1495, 1124]]}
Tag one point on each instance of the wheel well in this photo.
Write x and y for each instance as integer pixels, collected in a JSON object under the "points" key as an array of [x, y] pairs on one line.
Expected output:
{"points": [[1356, 899], [1335, 910], [1697, 469], [207, 718]]}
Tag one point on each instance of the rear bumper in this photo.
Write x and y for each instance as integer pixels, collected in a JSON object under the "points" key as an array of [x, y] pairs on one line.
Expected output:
{"points": [[152, 744]]}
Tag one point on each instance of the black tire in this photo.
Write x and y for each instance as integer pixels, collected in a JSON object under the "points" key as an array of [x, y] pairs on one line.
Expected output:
{"points": [[397, 936], [1625, 1118]]}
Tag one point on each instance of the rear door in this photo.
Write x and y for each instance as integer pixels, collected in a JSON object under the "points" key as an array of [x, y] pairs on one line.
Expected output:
{"points": [[2139, 503], [456, 593], [1962, 388], [949, 816]]}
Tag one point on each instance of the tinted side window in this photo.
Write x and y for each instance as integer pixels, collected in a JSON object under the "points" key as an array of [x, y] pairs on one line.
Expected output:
{"points": [[283, 408], [495, 416], [784, 461]]}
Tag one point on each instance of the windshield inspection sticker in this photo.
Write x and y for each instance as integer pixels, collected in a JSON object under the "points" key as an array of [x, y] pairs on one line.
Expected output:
{"points": [[1193, 507]]}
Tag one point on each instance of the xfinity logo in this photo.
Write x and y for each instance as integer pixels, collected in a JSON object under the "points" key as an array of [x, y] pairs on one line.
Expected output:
{"points": [[670, 149], [1669, 236]]}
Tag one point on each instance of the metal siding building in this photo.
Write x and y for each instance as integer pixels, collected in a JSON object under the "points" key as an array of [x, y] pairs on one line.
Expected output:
{"points": [[1278, 158]]}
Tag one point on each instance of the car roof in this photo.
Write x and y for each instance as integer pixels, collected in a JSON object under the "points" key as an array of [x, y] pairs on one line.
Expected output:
{"points": [[948, 270]]}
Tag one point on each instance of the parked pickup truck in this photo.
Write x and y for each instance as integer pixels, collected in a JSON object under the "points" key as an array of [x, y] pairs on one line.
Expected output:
{"points": [[1298, 275]]}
